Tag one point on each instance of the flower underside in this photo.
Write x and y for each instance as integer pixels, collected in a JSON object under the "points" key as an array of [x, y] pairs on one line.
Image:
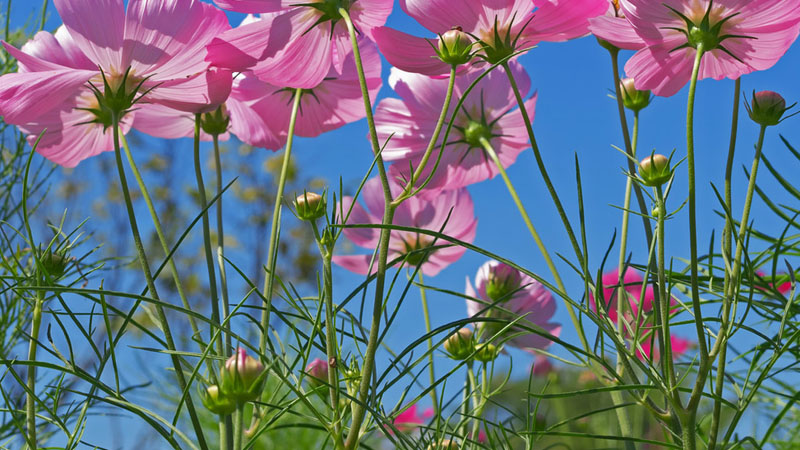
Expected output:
{"points": [[328, 11], [416, 249], [118, 96], [706, 34], [474, 130]]}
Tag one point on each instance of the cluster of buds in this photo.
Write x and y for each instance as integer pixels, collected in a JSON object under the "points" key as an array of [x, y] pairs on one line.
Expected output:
{"points": [[655, 170], [444, 444], [310, 206], [241, 380], [767, 108], [455, 47], [462, 345]]}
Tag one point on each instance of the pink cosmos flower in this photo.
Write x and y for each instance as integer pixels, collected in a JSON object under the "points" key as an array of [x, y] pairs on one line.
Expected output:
{"points": [[489, 111], [260, 112], [297, 42], [530, 21], [633, 282], [782, 288], [429, 214], [679, 347], [541, 365], [411, 418], [518, 295], [614, 28], [738, 36], [162, 43]]}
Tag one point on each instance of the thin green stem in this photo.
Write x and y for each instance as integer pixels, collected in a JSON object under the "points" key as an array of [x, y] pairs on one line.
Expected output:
{"points": [[477, 400], [688, 421], [726, 255], [212, 276], [666, 358], [8, 21], [274, 234], [43, 18], [359, 410], [223, 278], [151, 287], [30, 398], [426, 315], [238, 427]]}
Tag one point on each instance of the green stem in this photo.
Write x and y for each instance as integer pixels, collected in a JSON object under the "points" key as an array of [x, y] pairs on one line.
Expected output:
{"points": [[212, 277], [666, 357], [272, 250], [359, 409], [432, 373], [43, 18], [30, 399], [726, 255], [151, 287], [238, 427], [477, 401], [689, 424]]}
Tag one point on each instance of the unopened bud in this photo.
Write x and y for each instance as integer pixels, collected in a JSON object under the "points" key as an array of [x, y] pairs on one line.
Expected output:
{"points": [[55, 264], [767, 108], [216, 122], [655, 170], [455, 47], [318, 372], [444, 444], [460, 345], [310, 206], [216, 402], [486, 352], [632, 98], [242, 378]]}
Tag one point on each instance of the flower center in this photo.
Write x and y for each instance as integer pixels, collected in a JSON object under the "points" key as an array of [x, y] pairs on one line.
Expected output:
{"points": [[705, 28], [415, 249], [475, 132]]}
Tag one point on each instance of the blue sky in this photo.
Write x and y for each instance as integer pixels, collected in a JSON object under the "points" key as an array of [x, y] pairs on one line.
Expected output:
{"points": [[574, 115]]}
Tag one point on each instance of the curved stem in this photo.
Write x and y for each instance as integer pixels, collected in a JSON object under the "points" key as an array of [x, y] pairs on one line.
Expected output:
{"points": [[359, 409], [30, 398], [151, 287], [726, 255], [432, 373], [212, 276], [272, 250], [688, 421]]}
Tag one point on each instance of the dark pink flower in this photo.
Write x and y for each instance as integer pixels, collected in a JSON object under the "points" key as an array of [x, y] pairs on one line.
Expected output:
{"points": [[490, 111], [532, 21], [738, 36], [679, 347], [296, 43], [518, 295], [782, 288], [633, 284], [411, 418], [541, 365], [453, 208], [161, 43]]}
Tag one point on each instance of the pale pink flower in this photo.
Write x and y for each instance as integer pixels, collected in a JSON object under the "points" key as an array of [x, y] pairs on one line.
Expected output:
{"points": [[529, 21], [161, 42], [490, 111], [614, 28], [450, 212], [541, 366], [411, 418], [295, 43], [740, 36], [515, 294]]}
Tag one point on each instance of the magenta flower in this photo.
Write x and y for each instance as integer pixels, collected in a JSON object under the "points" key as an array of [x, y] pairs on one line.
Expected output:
{"points": [[782, 287], [738, 37], [260, 111], [296, 44], [515, 294], [679, 347], [633, 286], [614, 28], [428, 214], [528, 22], [411, 418], [489, 112], [160, 43]]}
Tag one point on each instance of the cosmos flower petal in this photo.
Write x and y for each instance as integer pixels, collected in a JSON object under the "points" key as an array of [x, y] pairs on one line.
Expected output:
{"points": [[97, 28], [26, 96]]}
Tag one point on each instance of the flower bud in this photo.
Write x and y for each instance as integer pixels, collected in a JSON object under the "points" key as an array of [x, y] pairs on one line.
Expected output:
{"points": [[216, 122], [216, 402], [318, 372], [242, 378], [502, 281], [460, 345], [767, 108], [455, 47], [55, 264], [655, 170], [486, 352], [444, 444], [633, 99], [310, 206]]}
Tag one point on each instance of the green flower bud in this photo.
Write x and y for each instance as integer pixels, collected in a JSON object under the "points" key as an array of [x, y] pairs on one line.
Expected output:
{"points": [[55, 264], [310, 206], [243, 377], [655, 170], [767, 108], [486, 352], [460, 345], [215, 122], [455, 47], [216, 402], [633, 99], [444, 444]]}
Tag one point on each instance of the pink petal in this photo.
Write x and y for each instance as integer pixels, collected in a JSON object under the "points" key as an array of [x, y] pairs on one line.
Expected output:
{"points": [[563, 20], [97, 28], [167, 123], [367, 15], [169, 39], [356, 263], [617, 31], [26, 96], [59, 49], [659, 71], [242, 47], [410, 53], [199, 93], [441, 15], [250, 6]]}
